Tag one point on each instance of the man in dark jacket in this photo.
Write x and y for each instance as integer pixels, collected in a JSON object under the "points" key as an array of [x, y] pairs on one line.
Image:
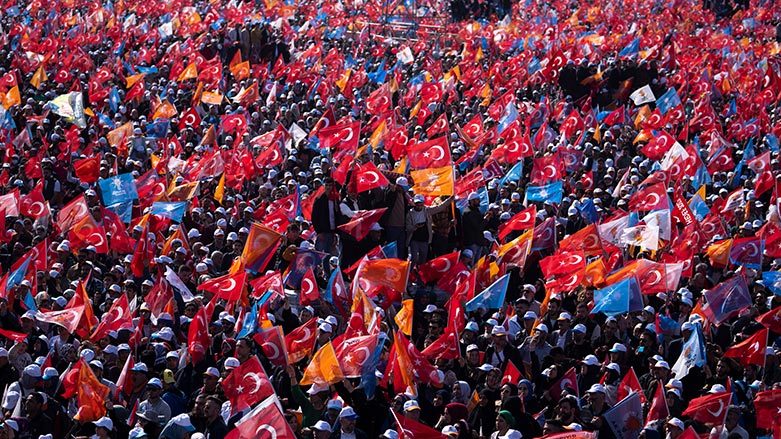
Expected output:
{"points": [[325, 218], [474, 225], [347, 428]]}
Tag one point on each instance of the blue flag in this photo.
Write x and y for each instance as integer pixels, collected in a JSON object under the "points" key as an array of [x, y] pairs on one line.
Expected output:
{"points": [[552, 192], [250, 321], [631, 49], [379, 76], [514, 174], [510, 115], [368, 378], [158, 129], [16, 277], [772, 281], [390, 250], [114, 100], [492, 297], [626, 418], [173, 211], [118, 189], [124, 210], [589, 211], [621, 297], [668, 101]]}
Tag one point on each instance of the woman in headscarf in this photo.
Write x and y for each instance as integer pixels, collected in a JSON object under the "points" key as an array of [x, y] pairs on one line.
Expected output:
{"points": [[526, 393], [505, 421], [441, 399], [461, 392]]}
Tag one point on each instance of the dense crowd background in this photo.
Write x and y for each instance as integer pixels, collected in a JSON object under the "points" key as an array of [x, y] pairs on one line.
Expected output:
{"points": [[287, 220]]}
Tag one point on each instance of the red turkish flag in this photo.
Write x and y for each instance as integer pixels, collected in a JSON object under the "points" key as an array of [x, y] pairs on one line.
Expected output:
{"points": [[368, 177], [72, 213], [190, 118], [409, 429], [88, 232], [546, 170], [746, 251], [563, 263], [767, 405], [68, 318], [118, 316], [764, 174], [649, 198], [436, 268], [361, 223], [343, 136], [87, 170], [301, 341], [139, 254], [630, 384], [198, 338], [439, 126], [33, 205], [272, 343], [658, 410], [379, 100], [247, 385], [711, 408], [520, 221], [11, 335], [446, 347], [234, 123], [511, 374], [264, 422], [354, 352], [568, 380], [657, 147], [124, 383], [586, 239], [120, 240], [772, 320], [269, 282], [434, 153], [228, 287], [750, 350], [309, 289]]}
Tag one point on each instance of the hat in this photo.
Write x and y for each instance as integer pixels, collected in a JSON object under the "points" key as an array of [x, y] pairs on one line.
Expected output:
{"points": [[317, 388], [213, 372], [231, 362], [674, 384], [430, 309], [348, 413], [580, 327], [662, 364], [675, 422], [140, 367], [448, 430], [531, 288], [33, 371], [542, 327], [471, 326], [486, 367], [596, 388], [499, 330], [151, 415], [11, 398], [50, 373], [614, 367], [472, 347], [418, 199], [335, 404], [96, 363], [3, 353], [322, 426], [183, 420], [155, 382], [717, 388], [104, 422], [411, 405], [591, 360], [402, 181], [530, 315], [137, 433], [618, 347], [391, 434], [168, 376], [325, 327], [12, 423], [564, 316]]}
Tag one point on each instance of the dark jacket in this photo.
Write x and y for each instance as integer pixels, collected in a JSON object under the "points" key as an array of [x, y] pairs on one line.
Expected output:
{"points": [[320, 215]]}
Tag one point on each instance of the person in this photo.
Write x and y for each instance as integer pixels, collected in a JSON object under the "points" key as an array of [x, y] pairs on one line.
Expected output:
{"points": [[215, 426], [38, 423], [154, 400], [347, 429], [325, 218], [419, 227], [103, 428]]}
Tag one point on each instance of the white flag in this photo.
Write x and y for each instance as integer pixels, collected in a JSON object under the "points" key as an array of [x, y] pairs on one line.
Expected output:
{"points": [[642, 95]]}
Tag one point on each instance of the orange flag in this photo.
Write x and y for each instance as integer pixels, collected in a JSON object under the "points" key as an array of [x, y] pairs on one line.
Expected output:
{"points": [[165, 110], [12, 98], [392, 273], [718, 253], [595, 274], [91, 395], [39, 77], [241, 70], [190, 72], [403, 318], [324, 368], [211, 98], [434, 181]]}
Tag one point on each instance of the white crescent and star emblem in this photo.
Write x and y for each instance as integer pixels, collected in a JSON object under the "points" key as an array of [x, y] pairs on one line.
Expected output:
{"points": [[271, 347], [307, 287], [370, 177], [37, 212], [257, 381], [446, 266], [271, 430], [97, 243], [717, 412], [441, 153], [652, 200], [229, 285], [656, 277], [752, 250]]}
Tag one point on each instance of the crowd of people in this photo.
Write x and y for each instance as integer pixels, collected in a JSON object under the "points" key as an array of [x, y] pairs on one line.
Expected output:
{"points": [[263, 219]]}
